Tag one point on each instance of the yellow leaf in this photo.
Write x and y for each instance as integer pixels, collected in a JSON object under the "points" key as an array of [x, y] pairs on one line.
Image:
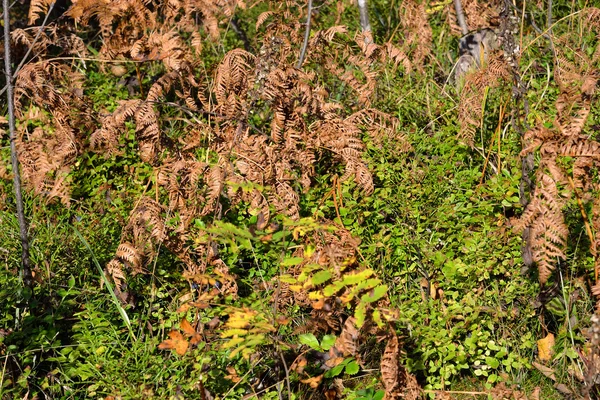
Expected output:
{"points": [[315, 295], [545, 347], [240, 319], [234, 332], [232, 342]]}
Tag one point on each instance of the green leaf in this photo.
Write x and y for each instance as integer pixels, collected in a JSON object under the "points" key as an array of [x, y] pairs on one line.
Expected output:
{"points": [[360, 314], [320, 277], [352, 368], [379, 395], [288, 262], [333, 288], [335, 371], [492, 362], [353, 279], [376, 294], [287, 278], [328, 341], [310, 340]]}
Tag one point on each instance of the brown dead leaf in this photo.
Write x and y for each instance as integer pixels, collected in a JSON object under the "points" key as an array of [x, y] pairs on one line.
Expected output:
{"points": [[503, 392], [299, 364], [184, 307], [232, 375], [333, 361], [545, 347], [548, 372], [313, 382], [347, 342], [389, 366], [198, 304], [563, 389], [176, 342], [213, 323]]}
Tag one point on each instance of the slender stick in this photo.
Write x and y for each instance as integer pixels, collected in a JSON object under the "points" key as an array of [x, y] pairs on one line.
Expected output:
{"points": [[35, 39], [26, 271], [549, 17], [363, 10], [460, 17], [306, 36]]}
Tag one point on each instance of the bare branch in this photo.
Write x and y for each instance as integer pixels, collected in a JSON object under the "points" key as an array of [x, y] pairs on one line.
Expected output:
{"points": [[460, 17], [37, 36], [26, 271], [306, 36], [363, 10]]}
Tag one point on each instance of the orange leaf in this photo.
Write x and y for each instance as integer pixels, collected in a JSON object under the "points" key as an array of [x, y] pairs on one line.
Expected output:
{"points": [[299, 364], [319, 304], [176, 342], [545, 350], [313, 382], [189, 330], [183, 308]]}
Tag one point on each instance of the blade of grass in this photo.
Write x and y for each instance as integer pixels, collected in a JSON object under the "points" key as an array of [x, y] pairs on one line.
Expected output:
{"points": [[107, 284]]}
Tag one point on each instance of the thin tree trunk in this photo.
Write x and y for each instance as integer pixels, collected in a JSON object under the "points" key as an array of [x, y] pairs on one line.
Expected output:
{"points": [[363, 10], [26, 267], [460, 17], [549, 18], [306, 36]]}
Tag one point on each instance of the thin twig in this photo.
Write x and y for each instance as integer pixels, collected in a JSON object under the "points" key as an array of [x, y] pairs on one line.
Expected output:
{"points": [[26, 271], [549, 17], [37, 36], [287, 375], [306, 36], [35, 39]]}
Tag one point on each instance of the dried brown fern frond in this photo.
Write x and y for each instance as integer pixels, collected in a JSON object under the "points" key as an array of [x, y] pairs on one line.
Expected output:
{"points": [[38, 8], [545, 219], [232, 82], [151, 31], [342, 137], [478, 13], [470, 109], [383, 129], [145, 230], [49, 152], [554, 186], [417, 32], [265, 164], [106, 138]]}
